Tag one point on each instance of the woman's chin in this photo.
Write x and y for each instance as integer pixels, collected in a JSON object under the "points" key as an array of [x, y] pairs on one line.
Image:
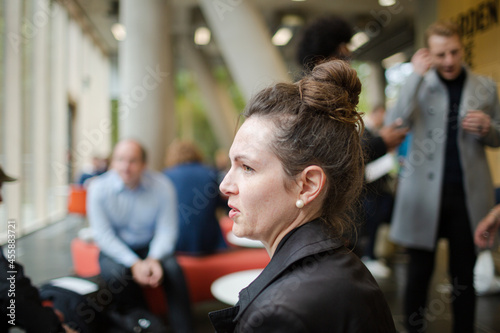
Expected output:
{"points": [[238, 232]]}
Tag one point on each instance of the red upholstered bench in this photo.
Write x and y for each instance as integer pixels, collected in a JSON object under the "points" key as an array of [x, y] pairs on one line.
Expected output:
{"points": [[200, 272]]}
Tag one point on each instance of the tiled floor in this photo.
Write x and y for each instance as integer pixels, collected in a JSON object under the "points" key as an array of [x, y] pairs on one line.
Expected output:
{"points": [[46, 254]]}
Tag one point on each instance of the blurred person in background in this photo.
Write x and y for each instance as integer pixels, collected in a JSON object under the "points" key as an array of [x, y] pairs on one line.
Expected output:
{"points": [[198, 196], [98, 167], [378, 196], [449, 190], [133, 215], [328, 38]]}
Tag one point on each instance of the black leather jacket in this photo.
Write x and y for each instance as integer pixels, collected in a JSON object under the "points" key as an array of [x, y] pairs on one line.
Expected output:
{"points": [[312, 284]]}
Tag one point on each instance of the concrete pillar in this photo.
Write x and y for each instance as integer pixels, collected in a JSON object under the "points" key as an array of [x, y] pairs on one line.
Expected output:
{"points": [[245, 43], [59, 113], [12, 111], [425, 15], [146, 110], [39, 112], [375, 85], [221, 112]]}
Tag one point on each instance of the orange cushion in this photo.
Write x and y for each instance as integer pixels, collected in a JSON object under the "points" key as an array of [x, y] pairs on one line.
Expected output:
{"points": [[77, 199], [201, 272], [85, 258]]}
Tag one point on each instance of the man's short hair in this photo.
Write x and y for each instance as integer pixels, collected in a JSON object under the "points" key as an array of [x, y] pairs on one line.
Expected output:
{"points": [[142, 150], [444, 29]]}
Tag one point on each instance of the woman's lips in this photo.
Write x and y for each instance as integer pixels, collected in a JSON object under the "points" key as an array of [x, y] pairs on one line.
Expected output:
{"points": [[233, 212]]}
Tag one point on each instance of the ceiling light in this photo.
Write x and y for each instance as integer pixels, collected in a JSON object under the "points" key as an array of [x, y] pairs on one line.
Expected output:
{"points": [[386, 3], [119, 32], [282, 36], [202, 36], [357, 41]]}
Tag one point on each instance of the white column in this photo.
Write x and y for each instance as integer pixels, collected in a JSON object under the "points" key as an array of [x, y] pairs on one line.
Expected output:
{"points": [[425, 15], [59, 110], [39, 110], [12, 94], [221, 112], [245, 43], [146, 110], [375, 85]]}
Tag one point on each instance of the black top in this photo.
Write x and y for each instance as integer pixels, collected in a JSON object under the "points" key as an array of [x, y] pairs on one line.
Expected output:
{"points": [[452, 165], [29, 312], [312, 284]]}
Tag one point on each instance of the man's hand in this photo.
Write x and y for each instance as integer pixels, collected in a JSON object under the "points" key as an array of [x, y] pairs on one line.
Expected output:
{"points": [[486, 231], [140, 273], [476, 122], [393, 134], [147, 272], [421, 61], [156, 272]]}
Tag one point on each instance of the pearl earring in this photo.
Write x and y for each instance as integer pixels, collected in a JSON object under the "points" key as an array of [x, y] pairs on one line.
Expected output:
{"points": [[299, 203]]}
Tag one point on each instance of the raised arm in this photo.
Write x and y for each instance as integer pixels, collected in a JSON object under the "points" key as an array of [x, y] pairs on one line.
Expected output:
{"points": [[407, 101]]}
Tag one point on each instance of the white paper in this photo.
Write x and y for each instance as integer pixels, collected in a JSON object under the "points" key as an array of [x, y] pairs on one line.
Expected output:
{"points": [[378, 168], [79, 286]]}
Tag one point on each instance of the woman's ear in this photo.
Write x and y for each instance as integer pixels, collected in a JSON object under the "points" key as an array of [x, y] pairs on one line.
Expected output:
{"points": [[312, 181]]}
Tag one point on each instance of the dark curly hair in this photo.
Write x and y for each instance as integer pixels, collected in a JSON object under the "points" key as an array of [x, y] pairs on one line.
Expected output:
{"points": [[321, 39], [317, 123]]}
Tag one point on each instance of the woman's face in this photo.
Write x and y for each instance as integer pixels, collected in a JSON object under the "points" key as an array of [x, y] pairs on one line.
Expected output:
{"points": [[261, 208]]}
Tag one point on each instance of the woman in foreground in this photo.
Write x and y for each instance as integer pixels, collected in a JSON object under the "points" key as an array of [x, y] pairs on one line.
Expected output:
{"points": [[297, 168]]}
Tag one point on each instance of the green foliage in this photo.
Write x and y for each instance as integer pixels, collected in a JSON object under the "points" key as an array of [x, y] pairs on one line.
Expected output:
{"points": [[363, 71], [114, 122], [191, 119], [224, 79]]}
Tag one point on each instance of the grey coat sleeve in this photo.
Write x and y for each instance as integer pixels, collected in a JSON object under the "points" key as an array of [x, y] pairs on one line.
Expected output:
{"points": [[492, 139]]}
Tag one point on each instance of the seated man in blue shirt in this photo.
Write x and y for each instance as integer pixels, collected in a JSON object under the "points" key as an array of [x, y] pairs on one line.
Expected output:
{"points": [[133, 215]]}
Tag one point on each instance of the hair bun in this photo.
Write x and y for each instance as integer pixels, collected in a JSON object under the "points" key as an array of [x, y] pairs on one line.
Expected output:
{"points": [[332, 87]]}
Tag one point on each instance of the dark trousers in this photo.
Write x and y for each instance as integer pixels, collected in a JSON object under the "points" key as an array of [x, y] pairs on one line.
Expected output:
{"points": [[455, 226], [377, 210], [127, 294]]}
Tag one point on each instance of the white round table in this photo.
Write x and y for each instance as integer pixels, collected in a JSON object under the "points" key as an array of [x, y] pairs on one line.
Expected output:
{"points": [[227, 288], [243, 242]]}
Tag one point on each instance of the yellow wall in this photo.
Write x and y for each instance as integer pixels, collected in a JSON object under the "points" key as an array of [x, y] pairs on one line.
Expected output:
{"points": [[480, 22]]}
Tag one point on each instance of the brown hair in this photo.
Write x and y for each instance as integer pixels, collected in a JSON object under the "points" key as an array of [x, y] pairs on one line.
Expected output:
{"points": [[444, 29], [317, 123], [180, 152]]}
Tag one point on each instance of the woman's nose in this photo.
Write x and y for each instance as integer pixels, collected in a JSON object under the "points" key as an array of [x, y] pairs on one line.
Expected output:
{"points": [[227, 186]]}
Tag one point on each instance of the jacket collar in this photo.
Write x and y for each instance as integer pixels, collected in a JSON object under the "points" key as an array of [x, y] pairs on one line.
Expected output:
{"points": [[307, 240], [469, 92], [432, 77], [119, 186]]}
